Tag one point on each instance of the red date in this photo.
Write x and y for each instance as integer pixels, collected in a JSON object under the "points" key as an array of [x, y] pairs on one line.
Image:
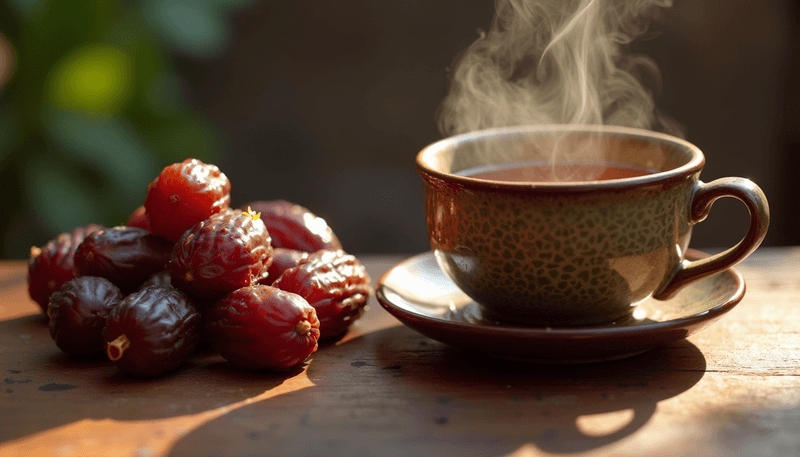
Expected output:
{"points": [[223, 253], [336, 284], [261, 327], [53, 264], [295, 227], [282, 260], [138, 218], [184, 194]]}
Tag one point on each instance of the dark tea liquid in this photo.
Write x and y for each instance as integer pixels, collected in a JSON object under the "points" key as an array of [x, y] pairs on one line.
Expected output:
{"points": [[564, 172]]}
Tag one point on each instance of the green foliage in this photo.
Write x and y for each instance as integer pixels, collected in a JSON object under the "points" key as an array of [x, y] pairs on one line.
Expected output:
{"points": [[95, 107], [191, 27]]}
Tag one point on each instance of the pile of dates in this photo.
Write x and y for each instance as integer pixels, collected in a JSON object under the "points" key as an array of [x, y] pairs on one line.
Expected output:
{"points": [[263, 283]]}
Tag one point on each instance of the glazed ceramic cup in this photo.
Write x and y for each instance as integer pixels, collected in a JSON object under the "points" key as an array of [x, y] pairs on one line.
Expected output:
{"points": [[582, 251]]}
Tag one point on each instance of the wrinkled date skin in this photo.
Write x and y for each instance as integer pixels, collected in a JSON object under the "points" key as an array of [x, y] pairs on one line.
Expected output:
{"points": [[295, 227], [225, 252], [184, 194], [152, 331], [282, 260], [336, 284], [51, 265], [78, 314], [263, 328], [126, 256]]}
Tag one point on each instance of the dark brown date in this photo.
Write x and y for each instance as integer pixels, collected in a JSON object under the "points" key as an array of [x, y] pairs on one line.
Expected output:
{"points": [[160, 279], [126, 256], [152, 331], [78, 314]]}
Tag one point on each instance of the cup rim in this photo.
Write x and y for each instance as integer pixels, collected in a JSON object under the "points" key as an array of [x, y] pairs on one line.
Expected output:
{"points": [[695, 165]]}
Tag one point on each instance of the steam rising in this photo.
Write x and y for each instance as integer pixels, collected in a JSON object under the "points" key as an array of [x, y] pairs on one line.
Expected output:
{"points": [[556, 62]]}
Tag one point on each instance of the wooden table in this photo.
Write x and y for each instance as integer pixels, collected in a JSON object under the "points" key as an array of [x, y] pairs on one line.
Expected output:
{"points": [[385, 390]]}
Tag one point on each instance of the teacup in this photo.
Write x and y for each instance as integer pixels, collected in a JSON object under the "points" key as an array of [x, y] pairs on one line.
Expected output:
{"points": [[601, 221]]}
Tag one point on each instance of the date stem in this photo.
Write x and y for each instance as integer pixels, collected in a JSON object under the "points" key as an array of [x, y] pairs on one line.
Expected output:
{"points": [[116, 348], [302, 327]]}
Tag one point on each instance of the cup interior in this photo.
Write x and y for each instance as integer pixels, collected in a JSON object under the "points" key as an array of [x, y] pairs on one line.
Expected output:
{"points": [[572, 152]]}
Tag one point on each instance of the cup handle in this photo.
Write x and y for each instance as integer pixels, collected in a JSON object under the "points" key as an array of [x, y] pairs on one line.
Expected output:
{"points": [[704, 196]]}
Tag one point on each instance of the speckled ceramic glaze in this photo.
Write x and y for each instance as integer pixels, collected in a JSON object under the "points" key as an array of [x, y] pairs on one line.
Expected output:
{"points": [[574, 252]]}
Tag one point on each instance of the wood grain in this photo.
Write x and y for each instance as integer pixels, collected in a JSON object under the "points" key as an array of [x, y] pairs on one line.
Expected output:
{"points": [[385, 390]]}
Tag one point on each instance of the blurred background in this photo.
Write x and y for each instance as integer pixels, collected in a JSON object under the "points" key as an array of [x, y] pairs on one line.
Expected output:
{"points": [[327, 103]]}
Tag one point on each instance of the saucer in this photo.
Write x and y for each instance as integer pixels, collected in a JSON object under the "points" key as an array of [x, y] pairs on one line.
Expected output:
{"points": [[418, 293]]}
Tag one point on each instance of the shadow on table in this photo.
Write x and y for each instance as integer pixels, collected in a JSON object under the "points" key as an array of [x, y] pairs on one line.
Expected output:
{"points": [[395, 392], [44, 388]]}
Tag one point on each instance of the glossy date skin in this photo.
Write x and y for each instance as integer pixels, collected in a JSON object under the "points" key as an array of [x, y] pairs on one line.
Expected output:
{"points": [[51, 265], [160, 279], [78, 314], [282, 260], [184, 194], [223, 253], [263, 328], [126, 256], [138, 218], [335, 283], [152, 331], [295, 227]]}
